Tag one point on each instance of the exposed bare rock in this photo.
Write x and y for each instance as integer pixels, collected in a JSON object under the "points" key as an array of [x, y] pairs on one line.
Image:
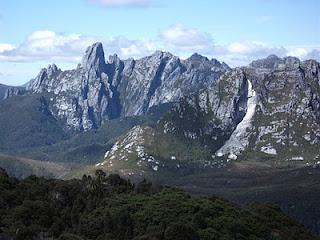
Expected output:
{"points": [[12, 91], [97, 91]]}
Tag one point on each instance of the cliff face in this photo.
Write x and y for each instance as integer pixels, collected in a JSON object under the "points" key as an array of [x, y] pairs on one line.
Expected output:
{"points": [[81, 97], [211, 115], [286, 124], [268, 110], [9, 91], [271, 106], [97, 90]]}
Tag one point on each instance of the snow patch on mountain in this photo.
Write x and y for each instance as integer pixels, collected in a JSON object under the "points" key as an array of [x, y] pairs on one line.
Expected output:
{"points": [[239, 138], [269, 150]]}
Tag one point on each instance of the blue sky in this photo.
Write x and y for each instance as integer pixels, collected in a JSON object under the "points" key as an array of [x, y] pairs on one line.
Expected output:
{"points": [[34, 33]]}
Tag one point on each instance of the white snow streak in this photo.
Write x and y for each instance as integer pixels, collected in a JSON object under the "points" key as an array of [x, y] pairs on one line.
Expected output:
{"points": [[239, 138]]}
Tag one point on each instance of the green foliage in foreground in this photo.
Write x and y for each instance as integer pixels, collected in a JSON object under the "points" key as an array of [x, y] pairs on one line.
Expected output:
{"points": [[109, 207]]}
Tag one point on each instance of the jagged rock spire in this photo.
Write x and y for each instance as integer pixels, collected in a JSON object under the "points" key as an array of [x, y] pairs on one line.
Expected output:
{"points": [[198, 57], [98, 90], [94, 58], [52, 69], [12, 91]]}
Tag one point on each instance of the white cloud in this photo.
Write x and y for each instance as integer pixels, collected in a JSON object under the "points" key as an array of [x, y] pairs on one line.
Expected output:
{"points": [[51, 46], [299, 52], [182, 41], [19, 63], [242, 53], [123, 3], [48, 46], [180, 38], [127, 48], [305, 52], [313, 54], [254, 48], [6, 47]]}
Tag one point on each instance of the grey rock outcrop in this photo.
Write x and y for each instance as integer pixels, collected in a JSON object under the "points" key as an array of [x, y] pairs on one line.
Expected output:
{"points": [[211, 115], [283, 118], [286, 85], [287, 123], [44, 79], [12, 91], [93, 59], [268, 111], [162, 78], [81, 96], [97, 90], [257, 108]]}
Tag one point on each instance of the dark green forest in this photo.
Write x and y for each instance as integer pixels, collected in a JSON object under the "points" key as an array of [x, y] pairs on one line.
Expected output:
{"points": [[109, 207]]}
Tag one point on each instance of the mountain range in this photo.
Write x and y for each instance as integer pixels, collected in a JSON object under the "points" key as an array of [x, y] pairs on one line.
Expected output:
{"points": [[169, 119]]}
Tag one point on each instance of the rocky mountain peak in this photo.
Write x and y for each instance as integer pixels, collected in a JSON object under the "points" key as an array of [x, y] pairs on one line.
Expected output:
{"points": [[45, 76], [224, 66], [220, 65], [197, 57], [160, 55], [313, 68], [198, 60], [94, 58], [98, 90], [270, 62], [291, 62], [12, 91], [114, 59], [52, 69], [273, 62]]}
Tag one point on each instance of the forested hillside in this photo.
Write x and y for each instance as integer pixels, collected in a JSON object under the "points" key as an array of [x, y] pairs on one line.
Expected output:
{"points": [[109, 207]]}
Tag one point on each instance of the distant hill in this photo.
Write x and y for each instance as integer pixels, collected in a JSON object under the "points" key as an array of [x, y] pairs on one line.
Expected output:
{"points": [[3, 89], [23, 167]]}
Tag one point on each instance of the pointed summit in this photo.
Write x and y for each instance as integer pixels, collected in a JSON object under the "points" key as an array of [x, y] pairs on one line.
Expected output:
{"points": [[198, 57], [270, 62], [52, 69], [94, 58]]}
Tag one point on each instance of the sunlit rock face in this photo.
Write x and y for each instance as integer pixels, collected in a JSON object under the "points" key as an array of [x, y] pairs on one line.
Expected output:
{"points": [[81, 96], [286, 124], [97, 90], [213, 114], [275, 111], [268, 111]]}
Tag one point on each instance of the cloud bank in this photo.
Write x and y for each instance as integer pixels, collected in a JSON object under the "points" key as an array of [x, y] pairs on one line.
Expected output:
{"points": [[178, 38], [49, 46]]}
